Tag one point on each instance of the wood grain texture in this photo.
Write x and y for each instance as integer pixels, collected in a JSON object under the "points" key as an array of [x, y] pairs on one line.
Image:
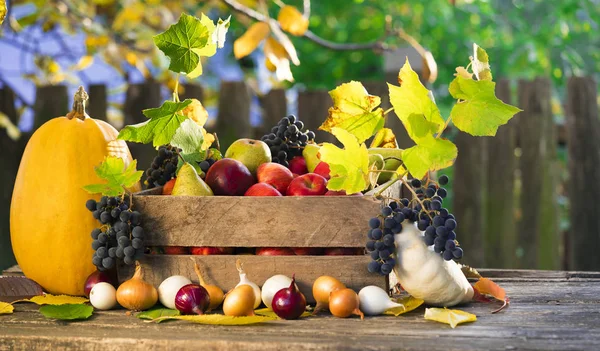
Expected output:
{"points": [[313, 107], [233, 121], [583, 128], [274, 108], [98, 101], [548, 315], [51, 101], [319, 221], [221, 270]]}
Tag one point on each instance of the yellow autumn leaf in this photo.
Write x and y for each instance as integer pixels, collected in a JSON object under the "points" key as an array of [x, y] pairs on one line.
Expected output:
{"points": [[250, 40], [2, 10], [269, 65], [48, 299], [130, 16], [269, 313], [276, 54], [219, 319], [451, 317], [355, 111], [408, 303], [12, 130], [292, 21], [384, 138], [196, 112], [6, 308], [83, 63]]}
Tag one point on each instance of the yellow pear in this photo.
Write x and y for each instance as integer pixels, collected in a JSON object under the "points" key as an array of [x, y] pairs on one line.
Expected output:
{"points": [[189, 183], [310, 153]]}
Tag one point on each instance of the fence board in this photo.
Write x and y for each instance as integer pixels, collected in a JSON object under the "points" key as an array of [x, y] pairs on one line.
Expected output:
{"points": [[98, 101], [313, 109], [583, 131], [50, 101], [233, 121], [192, 91], [274, 107], [500, 235], [538, 225]]}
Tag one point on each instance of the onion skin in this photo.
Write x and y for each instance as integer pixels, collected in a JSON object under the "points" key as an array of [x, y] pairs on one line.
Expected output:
{"points": [[95, 278], [322, 289], [239, 301], [214, 292], [344, 302], [167, 290], [374, 300], [289, 303], [136, 294], [192, 299], [425, 275], [103, 296], [272, 286]]}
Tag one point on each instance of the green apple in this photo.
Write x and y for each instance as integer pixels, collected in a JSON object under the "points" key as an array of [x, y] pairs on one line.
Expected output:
{"points": [[252, 153], [188, 183], [392, 161], [310, 153]]}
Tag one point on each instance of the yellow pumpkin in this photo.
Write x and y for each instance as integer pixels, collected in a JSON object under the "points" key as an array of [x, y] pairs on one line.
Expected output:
{"points": [[49, 224]]}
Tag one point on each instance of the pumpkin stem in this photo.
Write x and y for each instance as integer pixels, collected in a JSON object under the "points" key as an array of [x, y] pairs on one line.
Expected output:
{"points": [[79, 100]]}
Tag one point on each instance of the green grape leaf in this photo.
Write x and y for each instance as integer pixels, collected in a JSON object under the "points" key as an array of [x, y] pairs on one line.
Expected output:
{"points": [[219, 319], [158, 312], [193, 159], [67, 311], [188, 137], [162, 126], [118, 177], [481, 63], [349, 167], [479, 112], [430, 154], [412, 98], [2, 10], [184, 43], [355, 111]]}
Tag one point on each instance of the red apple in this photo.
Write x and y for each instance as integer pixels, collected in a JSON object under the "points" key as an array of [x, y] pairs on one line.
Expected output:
{"points": [[307, 184], [208, 250], [176, 250], [341, 193], [229, 177], [168, 187], [308, 251], [343, 251], [274, 251], [322, 169], [298, 165], [262, 189], [275, 174]]}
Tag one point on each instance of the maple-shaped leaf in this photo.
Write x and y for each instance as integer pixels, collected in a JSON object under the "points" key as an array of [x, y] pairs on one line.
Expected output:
{"points": [[217, 40], [481, 63], [160, 128], [408, 303], [451, 317], [48, 299], [67, 311], [430, 154], [486, 286], [349, 167], [189, 137], [183, 43], [355, 111], [6, 308], [479, 112], [118, 177], [219, 319], [412, 98]]}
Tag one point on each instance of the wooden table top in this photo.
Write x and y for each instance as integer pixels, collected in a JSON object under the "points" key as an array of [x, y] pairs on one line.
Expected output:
{"points": [[549, 310]]}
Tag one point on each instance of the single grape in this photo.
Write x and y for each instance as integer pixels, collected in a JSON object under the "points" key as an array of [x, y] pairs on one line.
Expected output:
{"points": [[452, 235], [430, 230], [112, 201], [441, 231], [436, 205], [112, 252], [443, 180], [385, 253], [103, 201], [399, 217], [393, 205], [405, 201], [388, 240], [374, 223], [437, 249], [457, 253], [444, 212], [438, 221], [97, 214], [439, 241], [311, 135], [450, 245], [119, 252], [389, 223], [115, 212], [419, 191], [429, 192], [422, 224], [91, 205], [128, 260], [135, 218], [429, 240], [97, 261], [123, 241], [370, 246], [450, 224], [374, 267], [416, 183], [137, 243], [95, 233], [375, 254], [442, 192], [397, 228], [379, 245], [448, 255], [129, 251], [204, 166], [377, 233], [386, 268], [137, 232], [96, 244], [105, 217], [102, 252], [102, 238]]}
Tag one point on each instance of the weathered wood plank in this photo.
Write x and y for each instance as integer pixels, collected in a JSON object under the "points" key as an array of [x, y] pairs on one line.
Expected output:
{"points": [[98, 102], [583, 126], [229, 221], [50, 101], [274, 107], [221, 269], [233, 121], [313, 107]]}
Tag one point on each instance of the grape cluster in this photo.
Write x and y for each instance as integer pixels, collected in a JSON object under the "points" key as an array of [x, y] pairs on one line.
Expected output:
{"points": [[287, 139], [206, 164], [163, 167], [120, 236], [439, 225]]}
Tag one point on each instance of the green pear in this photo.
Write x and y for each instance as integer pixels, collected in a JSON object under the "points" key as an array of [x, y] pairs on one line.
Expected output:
{"points": [[252, 153], [188, 183], [392, 161], [310, 153]]}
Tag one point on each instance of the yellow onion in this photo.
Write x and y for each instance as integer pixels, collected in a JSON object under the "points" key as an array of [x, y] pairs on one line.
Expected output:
{"points": [[239, 301], [136, 294], [344, 303], [214, 292], [322, 288]]}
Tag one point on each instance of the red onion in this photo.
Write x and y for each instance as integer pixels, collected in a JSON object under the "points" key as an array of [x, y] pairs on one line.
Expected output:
{"points": [[192, 299], [95, 278], [289, 303]]}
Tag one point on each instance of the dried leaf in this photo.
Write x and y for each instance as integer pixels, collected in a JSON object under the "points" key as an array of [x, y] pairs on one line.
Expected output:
{"points": [[250, 40], [277, 56], [269, 313], [469, 272], [48, 299], [292, 21], [6, 308], [486, 286], [451, 317], [158, 312], [409, 304], [83, 63], [430, 71], [384, 138], [12, 130], [67, 311], [219, 319]]}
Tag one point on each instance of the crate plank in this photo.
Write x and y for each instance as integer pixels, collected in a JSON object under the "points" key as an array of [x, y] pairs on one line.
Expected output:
{"points": [[221, 269]]}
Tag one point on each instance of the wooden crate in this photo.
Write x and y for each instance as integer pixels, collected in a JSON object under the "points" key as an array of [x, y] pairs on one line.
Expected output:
{"points": [[231, 221]]}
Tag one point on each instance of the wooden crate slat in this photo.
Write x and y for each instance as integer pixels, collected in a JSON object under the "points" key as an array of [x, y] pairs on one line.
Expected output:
{"points": [[221, 270]]}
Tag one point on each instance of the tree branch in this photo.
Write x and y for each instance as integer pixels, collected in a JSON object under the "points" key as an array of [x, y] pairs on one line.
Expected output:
{"points": [[307, 8]]}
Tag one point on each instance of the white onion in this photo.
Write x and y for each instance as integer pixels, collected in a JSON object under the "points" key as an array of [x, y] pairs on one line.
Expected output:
{"points": [[272, 286], [103, 296], [374, 300], [169, 288]]}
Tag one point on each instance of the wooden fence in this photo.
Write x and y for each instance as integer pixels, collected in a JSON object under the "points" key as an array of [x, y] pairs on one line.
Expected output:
{"points": [[504, 188]]}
